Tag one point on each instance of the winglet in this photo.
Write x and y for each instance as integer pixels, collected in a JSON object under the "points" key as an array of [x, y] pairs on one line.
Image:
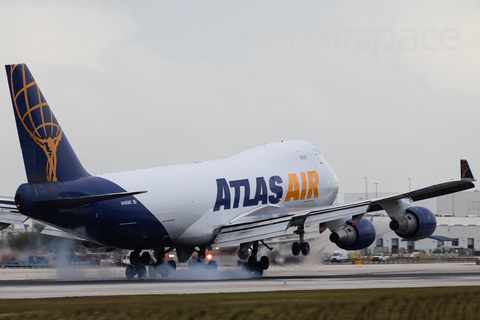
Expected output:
{"points": [[465, 172]]}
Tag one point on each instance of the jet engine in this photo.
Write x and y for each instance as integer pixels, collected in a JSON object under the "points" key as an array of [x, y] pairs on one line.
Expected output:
{"points": [[354, 237], [242, 255], [415, 224], [4, 226]]}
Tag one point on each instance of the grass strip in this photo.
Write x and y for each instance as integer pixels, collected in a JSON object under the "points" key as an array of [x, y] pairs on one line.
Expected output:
{"points": [[404, 303]]}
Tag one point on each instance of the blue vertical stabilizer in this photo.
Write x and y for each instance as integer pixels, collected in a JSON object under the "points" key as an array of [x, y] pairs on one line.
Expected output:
{"points": [[47, 154]]}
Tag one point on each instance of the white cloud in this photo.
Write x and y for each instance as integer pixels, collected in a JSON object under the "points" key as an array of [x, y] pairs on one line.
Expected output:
{"points": [[57, 33], [152, 84]]}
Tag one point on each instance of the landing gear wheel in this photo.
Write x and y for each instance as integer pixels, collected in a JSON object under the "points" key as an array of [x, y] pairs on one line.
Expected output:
{"points": [[305, 248], [172, 265], [145, 258], [264, 262], [212, 266], [258, 272], [142, 272], [152, 271], [133, 258], [296, 248], [130, 272], [253, 263], [164, 270]]}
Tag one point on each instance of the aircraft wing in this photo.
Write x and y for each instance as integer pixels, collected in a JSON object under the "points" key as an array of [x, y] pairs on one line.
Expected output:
{"points": [[426, 193], [273, 221], [9, 213], [264, 227], [52, 231]]}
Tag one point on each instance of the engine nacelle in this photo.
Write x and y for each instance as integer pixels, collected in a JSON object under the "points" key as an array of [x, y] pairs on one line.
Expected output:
{"points": [[415, 224], [242, 255], [4, 226], [354, 237]]}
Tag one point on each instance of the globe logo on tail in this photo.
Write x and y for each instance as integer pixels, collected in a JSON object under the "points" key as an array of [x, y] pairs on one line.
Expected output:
{"points": [[49, 146], [38, 120], [465, 168]]}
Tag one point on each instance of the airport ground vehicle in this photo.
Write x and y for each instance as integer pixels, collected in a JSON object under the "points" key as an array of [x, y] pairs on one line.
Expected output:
{"points": [[339, 256], [380, 257]]}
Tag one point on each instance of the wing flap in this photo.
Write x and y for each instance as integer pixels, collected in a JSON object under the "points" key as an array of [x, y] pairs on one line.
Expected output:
{"points": [[232, 235]]}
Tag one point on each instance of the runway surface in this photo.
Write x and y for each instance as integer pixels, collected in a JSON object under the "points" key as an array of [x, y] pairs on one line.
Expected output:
{"points": [[48, 283]]}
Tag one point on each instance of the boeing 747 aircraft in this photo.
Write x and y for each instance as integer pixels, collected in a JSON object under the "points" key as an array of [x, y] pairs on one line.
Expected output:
{"points": [[241, 201]]}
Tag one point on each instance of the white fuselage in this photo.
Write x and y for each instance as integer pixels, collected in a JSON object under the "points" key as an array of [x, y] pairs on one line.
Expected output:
{"points": [[185, 198]]}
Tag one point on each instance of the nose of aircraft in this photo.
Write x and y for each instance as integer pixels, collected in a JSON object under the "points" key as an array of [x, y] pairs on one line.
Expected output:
{"points": [[331, 181]]}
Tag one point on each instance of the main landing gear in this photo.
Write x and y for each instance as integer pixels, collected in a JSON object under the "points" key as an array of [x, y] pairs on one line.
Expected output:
{"points": [[160, 267], [301, 246], [253, 265], [199, 261], [138, 263], [136, 266]]}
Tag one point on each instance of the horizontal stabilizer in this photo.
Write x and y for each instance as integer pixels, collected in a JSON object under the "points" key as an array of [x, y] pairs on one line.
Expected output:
{"points": [[9, 212], [55, 232], [68, 203], [12, 217], [7, 201]]}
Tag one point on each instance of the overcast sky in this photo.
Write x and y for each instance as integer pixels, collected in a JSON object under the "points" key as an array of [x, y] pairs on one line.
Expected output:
{"points": [[384, 90]]}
